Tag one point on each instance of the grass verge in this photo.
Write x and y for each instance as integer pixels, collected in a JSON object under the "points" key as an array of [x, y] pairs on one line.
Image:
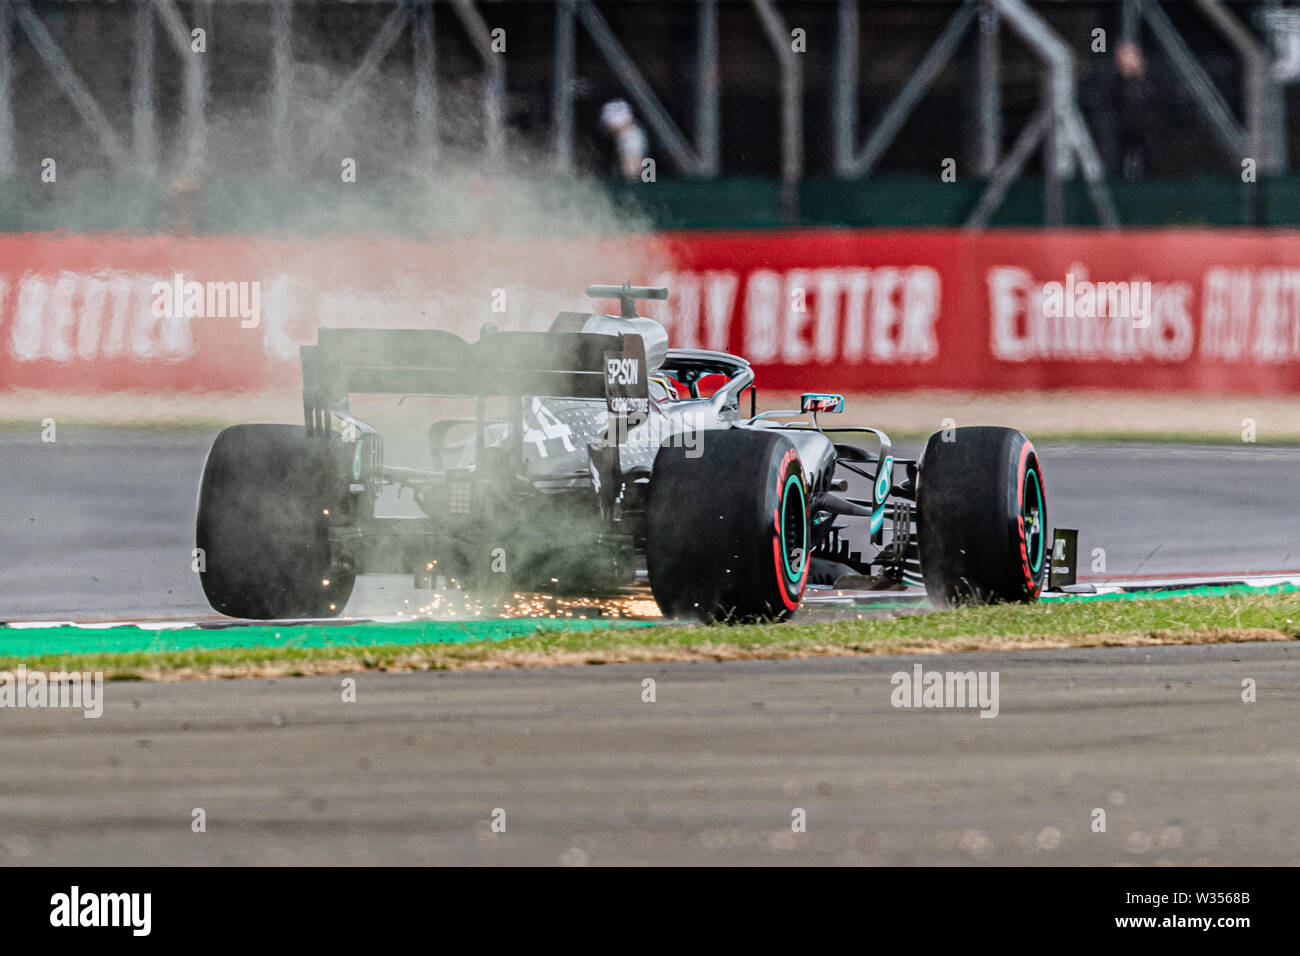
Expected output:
{"points": [[1191, 620]]}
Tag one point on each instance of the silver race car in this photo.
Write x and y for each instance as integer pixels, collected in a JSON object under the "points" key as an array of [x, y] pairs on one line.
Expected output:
{"points": [[596, 459]]}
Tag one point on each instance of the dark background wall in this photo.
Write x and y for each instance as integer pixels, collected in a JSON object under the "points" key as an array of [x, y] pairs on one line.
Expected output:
{"points": [[1187, 179]]}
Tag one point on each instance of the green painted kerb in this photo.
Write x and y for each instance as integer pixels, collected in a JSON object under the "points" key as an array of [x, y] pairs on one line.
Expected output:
{"points": [[1216, 590], [70, 639], [80, 639]]}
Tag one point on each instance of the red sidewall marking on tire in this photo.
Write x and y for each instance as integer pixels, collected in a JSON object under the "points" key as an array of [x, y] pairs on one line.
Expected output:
{"points": [[780, 575], [1031, 582]]}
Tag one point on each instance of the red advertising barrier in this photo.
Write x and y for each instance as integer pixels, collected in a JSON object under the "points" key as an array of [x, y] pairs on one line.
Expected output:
{"points": [[849, 310]]}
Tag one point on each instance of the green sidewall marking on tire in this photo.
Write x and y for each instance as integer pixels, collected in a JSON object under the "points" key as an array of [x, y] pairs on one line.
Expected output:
{"points": [[1036, 563], [803, 545]]}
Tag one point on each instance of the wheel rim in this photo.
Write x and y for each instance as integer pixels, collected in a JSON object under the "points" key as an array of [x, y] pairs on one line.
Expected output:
{"points": [[1031, 512], [794, 528]]}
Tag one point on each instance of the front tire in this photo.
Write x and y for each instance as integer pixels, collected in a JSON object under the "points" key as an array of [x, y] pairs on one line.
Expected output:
{"points": [[262, 525], [728, 531], [981, 517]]}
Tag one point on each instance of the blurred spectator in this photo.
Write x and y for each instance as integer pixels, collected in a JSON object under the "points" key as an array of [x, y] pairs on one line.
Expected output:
{"points": [[629, 139], [1133, 108], [181, 205]]}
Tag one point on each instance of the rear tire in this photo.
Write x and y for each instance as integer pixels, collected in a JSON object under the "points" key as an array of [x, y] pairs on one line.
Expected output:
{"points": [[728, 531], [981, 517], [262, 528]]}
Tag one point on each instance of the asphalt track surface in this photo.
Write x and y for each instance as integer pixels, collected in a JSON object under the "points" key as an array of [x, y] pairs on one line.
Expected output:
{"points": [[99, 524], [712, 772]]}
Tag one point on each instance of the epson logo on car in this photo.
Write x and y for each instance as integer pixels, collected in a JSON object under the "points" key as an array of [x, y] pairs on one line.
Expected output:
{"points": [[622, 371]]}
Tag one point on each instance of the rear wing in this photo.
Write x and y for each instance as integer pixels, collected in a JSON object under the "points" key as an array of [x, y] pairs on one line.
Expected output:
{"points": [[430, 362]]}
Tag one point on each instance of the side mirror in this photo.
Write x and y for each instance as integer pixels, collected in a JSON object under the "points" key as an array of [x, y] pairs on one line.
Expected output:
{"points": [[815, 402]]}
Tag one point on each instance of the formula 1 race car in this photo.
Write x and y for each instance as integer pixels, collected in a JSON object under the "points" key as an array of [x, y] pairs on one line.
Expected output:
{"points": [[595, 458]]}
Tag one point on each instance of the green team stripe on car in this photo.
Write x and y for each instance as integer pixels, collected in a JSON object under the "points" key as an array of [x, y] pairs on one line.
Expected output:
{"points": [[885, 479]]}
